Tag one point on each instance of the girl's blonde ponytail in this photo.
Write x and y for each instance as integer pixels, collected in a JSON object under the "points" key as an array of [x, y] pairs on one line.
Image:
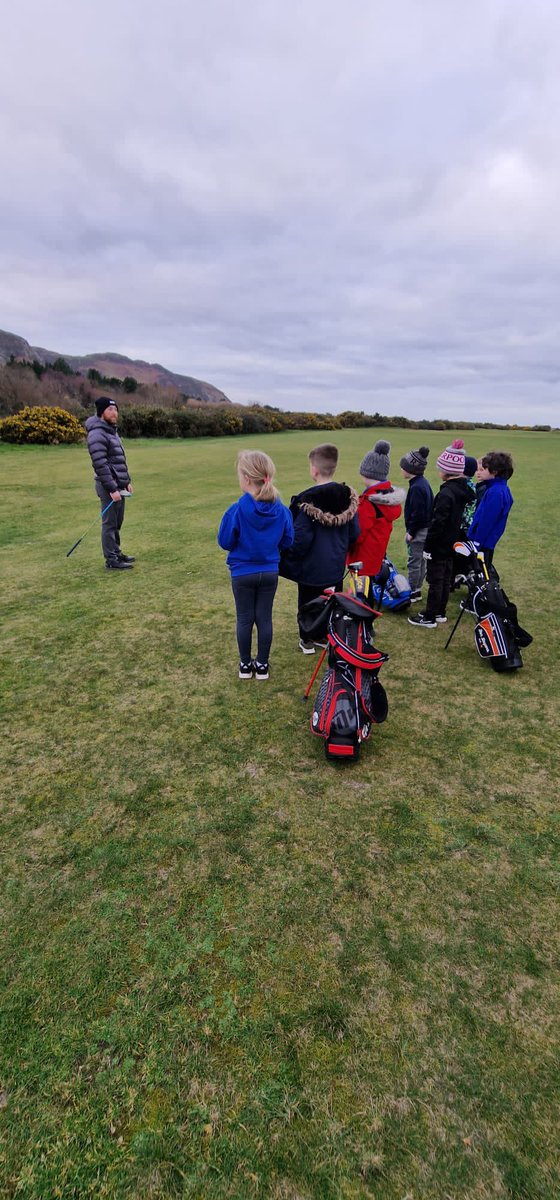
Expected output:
{"points": [[260, 471]]}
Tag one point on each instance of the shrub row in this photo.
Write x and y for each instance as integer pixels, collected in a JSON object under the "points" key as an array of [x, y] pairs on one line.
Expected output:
{"points": [[226, 421], [53, 424], [232, 420]]}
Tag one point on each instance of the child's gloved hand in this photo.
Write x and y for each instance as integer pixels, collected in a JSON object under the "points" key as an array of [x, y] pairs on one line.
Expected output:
{"points": [[426, 554]]}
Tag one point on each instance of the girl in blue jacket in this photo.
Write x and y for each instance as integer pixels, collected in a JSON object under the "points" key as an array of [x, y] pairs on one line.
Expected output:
{"points": [[490, 518], [254, 530]]}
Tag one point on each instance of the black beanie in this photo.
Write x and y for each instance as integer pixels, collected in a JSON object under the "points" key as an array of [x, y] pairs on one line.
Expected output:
{"points": [[416, 461], [104, 402]]}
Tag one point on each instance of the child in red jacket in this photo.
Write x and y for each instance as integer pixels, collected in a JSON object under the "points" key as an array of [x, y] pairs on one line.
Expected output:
{"points": [[378, 507]]}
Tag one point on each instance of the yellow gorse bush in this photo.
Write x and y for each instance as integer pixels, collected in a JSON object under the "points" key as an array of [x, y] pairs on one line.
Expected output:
{"points": [[42, 426]]}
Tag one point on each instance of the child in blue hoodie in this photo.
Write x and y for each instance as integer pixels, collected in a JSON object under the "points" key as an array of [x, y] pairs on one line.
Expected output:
{"points": [[254, 530], [490, 518]]}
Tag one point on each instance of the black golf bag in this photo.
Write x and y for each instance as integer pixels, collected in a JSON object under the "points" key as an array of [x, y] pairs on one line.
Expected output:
{"points": [[350, 698], [498, 635]]}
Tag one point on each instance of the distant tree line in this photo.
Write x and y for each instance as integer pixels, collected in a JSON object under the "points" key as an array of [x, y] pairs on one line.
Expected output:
{"points": [[150, 410]]}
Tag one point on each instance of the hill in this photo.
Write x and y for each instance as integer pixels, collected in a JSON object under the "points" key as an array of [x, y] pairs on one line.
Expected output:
{"points": [[111, 364]]}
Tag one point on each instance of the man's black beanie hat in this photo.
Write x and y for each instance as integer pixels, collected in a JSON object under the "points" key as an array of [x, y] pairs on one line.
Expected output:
{"points": [[102, 403]]}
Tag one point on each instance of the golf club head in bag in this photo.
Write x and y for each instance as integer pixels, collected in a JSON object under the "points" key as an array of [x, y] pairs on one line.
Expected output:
{"points": [[350, 698]]}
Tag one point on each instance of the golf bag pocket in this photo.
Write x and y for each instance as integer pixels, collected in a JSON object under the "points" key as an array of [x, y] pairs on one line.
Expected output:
{"points": [[346, 707], [335, 715], [374, 698], [495, 640]]}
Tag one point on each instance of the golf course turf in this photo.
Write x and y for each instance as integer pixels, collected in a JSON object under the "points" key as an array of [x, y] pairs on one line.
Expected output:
{"points": [[230, 969]]}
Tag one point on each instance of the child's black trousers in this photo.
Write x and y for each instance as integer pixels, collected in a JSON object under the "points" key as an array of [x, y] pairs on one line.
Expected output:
{"points": [[439, 575]]}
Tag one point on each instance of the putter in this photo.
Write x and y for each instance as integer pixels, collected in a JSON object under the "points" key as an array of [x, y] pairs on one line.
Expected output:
{"points": [[94, 522]]}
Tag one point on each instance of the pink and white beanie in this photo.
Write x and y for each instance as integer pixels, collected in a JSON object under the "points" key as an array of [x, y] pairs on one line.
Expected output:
{"points": [[452, 460]]}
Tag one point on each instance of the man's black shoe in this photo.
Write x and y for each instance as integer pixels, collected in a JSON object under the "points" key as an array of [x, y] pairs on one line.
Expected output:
{"points": [[118, 564], [128, 558]]}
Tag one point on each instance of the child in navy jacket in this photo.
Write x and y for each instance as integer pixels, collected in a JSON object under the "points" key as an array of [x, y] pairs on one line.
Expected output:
{"points": [[254, 530], [490, 518], [325, 524], [417, 516]]}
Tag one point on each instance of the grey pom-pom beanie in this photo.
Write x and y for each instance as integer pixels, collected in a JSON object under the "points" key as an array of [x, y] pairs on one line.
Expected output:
{"points": [[375, 464]]}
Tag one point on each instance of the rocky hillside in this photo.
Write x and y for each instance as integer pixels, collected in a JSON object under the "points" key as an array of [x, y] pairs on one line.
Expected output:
{"points": [[109, 364]]}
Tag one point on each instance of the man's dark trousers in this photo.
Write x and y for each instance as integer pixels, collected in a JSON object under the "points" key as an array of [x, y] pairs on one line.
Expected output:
{"points": [[111, 522]]}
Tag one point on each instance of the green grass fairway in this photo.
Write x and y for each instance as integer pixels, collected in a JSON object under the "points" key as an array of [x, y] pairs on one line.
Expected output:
{"points": [[230, 969]]}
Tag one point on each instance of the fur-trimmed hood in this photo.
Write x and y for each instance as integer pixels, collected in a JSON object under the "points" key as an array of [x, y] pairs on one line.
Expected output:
{"points": [[330, 504], [393, 495]]}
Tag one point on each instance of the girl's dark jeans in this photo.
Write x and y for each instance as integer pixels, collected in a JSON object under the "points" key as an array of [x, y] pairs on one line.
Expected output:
{"points": [[254, 597]]}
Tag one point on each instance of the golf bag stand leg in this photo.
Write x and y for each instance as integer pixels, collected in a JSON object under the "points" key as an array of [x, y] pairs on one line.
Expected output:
{"points": [[454, 628]]}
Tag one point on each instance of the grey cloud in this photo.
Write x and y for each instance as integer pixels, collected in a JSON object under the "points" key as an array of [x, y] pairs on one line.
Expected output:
{"points": [[328, 207]]}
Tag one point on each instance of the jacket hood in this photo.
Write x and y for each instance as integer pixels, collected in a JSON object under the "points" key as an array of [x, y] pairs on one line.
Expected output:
{"points": [[389, 496], [259, 512], [99, 423], [329, 503]]}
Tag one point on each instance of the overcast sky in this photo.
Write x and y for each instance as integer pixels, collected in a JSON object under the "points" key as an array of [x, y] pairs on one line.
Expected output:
{"points": [[309, 204]]}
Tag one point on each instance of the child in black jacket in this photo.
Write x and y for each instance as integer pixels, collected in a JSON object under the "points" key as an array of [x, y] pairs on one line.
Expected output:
{"points": [[443, 532], [325, 525]]}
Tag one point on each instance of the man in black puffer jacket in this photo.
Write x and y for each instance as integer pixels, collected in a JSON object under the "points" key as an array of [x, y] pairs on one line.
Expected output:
{"points": [[111, 479]]}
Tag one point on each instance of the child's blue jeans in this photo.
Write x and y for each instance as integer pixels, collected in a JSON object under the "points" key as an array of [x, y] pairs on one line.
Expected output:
{"points": [[254, 597]]}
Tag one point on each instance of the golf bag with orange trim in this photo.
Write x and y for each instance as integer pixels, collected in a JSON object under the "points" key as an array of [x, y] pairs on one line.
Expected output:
{"points": [[350, 698], [498, 635]]}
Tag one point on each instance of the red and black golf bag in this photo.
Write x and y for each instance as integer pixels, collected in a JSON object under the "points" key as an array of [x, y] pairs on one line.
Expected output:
{"points": [[350, 698]]}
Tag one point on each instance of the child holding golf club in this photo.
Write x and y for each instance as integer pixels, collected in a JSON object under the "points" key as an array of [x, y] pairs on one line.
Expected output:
{"points": [[254, 530]]}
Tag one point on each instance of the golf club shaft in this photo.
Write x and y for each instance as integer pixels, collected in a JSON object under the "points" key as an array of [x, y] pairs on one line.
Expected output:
{"points": [[94, 522]]}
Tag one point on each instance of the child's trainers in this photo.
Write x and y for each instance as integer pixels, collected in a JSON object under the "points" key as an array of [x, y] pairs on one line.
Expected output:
{"points": [[261, 670], [441, 620], [246, 670], [306, 647], [422, 619], [415, 596]]}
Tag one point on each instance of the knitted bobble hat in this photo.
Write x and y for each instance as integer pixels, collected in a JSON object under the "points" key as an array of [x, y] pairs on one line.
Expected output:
{"points": [[416, 461], [452, 460], [470, 465], [375, 464]]}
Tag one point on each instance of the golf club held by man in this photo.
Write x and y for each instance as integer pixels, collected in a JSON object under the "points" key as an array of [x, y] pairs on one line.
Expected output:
{"points": [[112, 479]]}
